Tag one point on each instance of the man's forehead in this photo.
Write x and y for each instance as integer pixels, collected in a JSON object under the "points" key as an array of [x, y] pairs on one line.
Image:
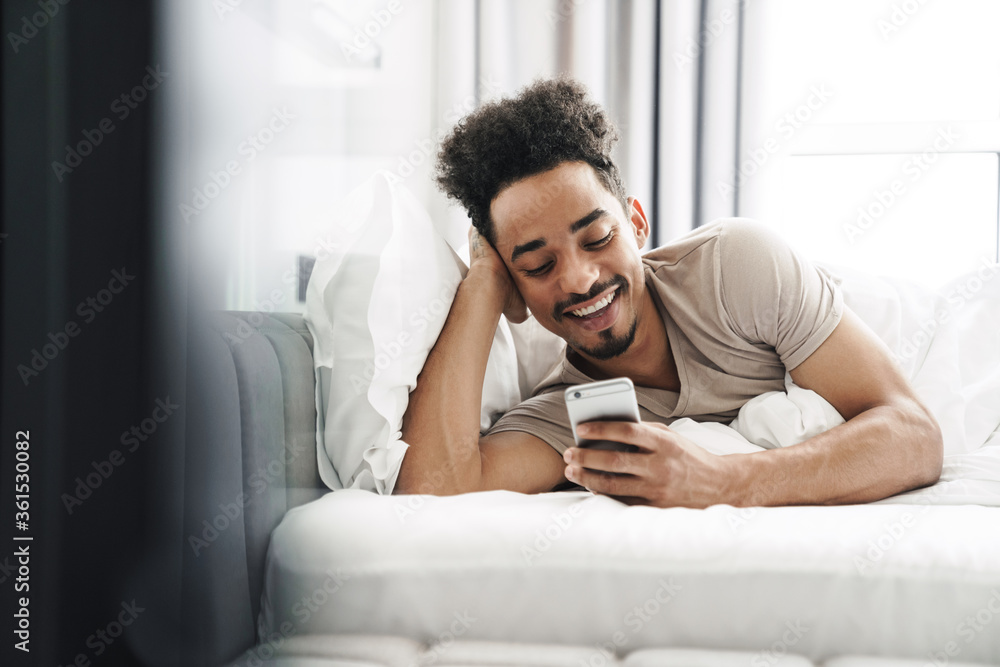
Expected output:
{"points": [[559, 196]]}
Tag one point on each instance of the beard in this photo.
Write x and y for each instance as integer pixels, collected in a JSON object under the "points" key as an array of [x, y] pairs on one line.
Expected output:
{"points": [[610, 346]]}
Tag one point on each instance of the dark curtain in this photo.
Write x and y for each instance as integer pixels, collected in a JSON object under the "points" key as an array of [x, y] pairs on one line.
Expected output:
{"points": [[86, 353]]}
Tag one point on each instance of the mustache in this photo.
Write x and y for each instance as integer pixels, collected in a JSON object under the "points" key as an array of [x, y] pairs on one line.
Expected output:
{"points": [[562, 306]]}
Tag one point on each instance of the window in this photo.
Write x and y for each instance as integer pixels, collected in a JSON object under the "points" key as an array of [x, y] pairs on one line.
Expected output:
{"points": [[870, 132]]}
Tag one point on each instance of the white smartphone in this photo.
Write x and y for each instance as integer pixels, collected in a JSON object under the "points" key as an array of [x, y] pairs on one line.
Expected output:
{"points": [[607, 400]]}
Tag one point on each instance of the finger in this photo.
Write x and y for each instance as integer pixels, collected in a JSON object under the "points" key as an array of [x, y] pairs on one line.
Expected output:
{"points": [[644, 436], [610, 484], [605, 460], [630, 500]]}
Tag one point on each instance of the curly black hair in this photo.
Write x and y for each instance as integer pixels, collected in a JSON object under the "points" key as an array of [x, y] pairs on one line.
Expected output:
{"points": [[549, 122]]}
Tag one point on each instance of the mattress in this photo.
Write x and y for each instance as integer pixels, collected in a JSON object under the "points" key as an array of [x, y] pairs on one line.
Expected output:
{"points": [[609, 583]]}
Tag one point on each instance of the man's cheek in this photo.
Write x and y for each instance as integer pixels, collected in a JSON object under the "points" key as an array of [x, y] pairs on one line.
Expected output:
{"points": [[542, 309]]}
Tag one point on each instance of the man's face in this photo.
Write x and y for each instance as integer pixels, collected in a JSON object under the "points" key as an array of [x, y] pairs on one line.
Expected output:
{"points": [[574, 256]]}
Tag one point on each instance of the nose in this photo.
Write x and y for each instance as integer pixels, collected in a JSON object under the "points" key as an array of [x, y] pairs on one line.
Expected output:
{"points": [[578, 274]]}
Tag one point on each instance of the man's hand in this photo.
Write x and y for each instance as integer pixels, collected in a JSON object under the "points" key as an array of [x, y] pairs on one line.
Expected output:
{"points": [[889, 443], [483, 256], [667, 471]]}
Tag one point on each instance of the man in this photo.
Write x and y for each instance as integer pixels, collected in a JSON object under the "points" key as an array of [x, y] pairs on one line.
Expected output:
{"points": [[701, 326]]}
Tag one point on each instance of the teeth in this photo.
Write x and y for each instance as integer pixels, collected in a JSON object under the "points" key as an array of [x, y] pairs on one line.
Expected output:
{"points": [[597, 306]]}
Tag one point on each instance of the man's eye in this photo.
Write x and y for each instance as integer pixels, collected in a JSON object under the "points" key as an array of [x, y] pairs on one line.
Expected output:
{"points": [[601, 242], [539, 271]]}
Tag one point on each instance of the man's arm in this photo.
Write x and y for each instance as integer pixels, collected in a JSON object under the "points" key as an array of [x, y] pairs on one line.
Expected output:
{"points": [[441, 422], [890, 443]]}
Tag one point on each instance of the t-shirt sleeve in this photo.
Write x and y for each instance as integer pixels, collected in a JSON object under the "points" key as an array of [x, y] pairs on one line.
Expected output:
{"points": [[543, 416], [773, 294]]}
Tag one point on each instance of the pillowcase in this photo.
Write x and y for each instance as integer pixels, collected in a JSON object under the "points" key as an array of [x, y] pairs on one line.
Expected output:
{"points": [[375, 306]]}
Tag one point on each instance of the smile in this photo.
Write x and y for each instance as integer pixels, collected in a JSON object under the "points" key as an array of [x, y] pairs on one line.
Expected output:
{"points": [[594, 309]]}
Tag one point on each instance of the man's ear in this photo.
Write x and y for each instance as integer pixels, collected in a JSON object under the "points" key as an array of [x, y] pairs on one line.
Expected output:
{"points": [[640, 225]]}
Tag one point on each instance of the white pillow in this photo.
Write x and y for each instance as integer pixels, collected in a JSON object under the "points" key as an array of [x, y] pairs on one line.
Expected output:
{"points": [[946, 341], [893, 308], [375, 307]]}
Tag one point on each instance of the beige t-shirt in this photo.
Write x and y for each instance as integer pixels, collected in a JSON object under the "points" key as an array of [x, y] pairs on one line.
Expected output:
{"points": [[739, 307]]}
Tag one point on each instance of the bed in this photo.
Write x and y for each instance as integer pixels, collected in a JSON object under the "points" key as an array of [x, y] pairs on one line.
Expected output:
{"points": [[327, 567], [352, 577]]}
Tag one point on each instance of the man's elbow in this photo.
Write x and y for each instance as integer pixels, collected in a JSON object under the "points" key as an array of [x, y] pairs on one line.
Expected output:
{"points": [[439, 478], [929, 443]]}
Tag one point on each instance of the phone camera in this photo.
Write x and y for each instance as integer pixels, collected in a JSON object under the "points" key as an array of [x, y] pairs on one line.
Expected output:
{"points": [[577, 394]]}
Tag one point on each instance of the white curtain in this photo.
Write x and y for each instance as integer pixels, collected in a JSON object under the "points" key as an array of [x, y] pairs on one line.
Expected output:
{"points": [[284, 106]]}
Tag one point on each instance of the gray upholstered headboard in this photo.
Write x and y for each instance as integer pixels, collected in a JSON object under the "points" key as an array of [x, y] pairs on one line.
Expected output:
{"points": [[250, 456]]}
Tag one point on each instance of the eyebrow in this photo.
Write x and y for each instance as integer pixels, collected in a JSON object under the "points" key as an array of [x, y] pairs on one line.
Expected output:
{"points": [[573, 228]]}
